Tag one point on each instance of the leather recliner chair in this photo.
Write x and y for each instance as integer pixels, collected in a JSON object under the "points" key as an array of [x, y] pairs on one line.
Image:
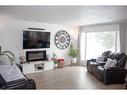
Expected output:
{"points": [[111, 75], [18, 84]]}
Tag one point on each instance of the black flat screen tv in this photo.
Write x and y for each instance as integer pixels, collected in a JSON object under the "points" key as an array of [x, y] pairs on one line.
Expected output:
{"points": [[36, 39]]}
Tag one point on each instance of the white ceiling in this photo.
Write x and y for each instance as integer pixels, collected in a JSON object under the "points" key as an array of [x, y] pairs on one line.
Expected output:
{"points": [[66, 15]]}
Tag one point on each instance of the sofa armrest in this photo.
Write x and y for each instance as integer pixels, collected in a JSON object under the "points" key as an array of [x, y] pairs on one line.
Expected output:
{"points": [[93, 60], [116, 70], [114, 75], [101, 63]]}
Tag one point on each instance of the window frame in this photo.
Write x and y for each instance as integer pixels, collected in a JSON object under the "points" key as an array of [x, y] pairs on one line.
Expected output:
{"points": [[116, 41]]}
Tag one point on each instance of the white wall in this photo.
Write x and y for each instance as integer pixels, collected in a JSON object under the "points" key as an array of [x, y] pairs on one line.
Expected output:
{"points": [[11, 36]]}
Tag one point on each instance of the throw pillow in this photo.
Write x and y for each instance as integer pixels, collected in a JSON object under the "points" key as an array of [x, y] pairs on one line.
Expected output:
{"points": [[110, 63], [11, 73]]}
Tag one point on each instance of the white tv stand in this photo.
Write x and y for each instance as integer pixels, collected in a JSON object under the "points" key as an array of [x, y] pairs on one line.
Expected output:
{"points": [[37, 66]]}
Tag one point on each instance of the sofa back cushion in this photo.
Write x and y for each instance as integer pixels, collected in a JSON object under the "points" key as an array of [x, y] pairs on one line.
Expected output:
{"points": [[112, 55], [100, 59], [4, 61], [105, 55], [120, 57], [122, 61]]}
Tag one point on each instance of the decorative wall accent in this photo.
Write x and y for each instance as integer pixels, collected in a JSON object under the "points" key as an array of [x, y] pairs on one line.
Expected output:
{"points": [[62, 39]]}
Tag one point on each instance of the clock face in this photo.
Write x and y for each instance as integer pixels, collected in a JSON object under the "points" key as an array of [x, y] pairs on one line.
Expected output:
{"points": [[62, 39]]}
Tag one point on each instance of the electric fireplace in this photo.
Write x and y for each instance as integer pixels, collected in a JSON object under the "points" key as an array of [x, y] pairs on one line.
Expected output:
{"points": [[35, 55]]}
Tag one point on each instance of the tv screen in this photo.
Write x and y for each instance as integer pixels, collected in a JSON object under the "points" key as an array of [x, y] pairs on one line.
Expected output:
{"points": [[36, 39]]}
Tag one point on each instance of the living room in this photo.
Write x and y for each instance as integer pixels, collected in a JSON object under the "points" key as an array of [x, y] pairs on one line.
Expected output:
{"points": [[60, 47]]}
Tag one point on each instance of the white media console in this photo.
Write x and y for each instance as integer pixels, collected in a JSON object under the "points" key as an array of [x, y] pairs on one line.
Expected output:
{"points": [[37, 66]]}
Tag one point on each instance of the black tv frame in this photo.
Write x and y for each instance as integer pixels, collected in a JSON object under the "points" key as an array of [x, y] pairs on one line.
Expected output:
{"points": [[37, 47]]}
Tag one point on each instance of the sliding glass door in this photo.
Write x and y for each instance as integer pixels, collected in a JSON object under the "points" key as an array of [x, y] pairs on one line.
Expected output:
{"points": [[92, 44]]}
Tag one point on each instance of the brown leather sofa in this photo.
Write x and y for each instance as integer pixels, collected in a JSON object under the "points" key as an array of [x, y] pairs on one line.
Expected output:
{"points": [[110, 75]]}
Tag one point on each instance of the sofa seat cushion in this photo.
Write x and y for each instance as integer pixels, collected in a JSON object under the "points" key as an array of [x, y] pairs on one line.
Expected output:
{"points": [[100, 68]]}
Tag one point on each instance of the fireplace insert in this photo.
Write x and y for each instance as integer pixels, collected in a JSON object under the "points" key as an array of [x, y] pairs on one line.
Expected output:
{"points": [[35, 55]]}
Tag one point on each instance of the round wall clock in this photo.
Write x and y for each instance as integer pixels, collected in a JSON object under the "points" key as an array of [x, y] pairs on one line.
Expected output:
{"points": [[62, 39]]}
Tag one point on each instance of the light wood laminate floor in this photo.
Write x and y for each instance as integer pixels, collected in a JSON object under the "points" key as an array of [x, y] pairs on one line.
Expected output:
{"points": [[70, 77]]}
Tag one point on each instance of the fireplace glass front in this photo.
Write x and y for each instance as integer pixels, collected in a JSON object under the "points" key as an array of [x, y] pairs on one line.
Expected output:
{"points": [[35, 56]]}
